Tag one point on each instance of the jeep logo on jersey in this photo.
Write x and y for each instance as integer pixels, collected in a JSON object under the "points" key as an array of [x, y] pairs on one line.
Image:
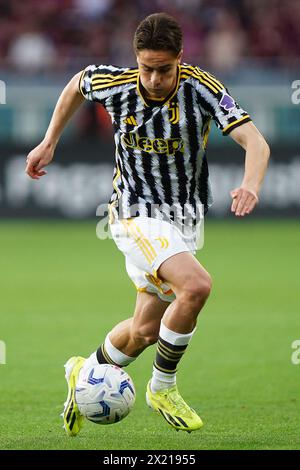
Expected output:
{"points": [[227, 102], [161, 146]]}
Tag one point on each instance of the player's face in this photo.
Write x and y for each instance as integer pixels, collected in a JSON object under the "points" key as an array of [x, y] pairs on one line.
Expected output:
{"points": [[158, 71]]}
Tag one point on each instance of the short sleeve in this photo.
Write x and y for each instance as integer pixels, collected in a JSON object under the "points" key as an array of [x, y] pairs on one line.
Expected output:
{"points": [[218, 102], [99, 82], [92, 76]]}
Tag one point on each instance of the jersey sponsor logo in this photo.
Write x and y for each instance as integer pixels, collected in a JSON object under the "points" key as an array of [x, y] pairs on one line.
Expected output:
{"points": [[161, 146], [227, 102]]}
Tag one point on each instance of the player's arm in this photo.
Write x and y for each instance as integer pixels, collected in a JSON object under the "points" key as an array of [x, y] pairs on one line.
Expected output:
{"points": [[257, 150], [68, 102]]}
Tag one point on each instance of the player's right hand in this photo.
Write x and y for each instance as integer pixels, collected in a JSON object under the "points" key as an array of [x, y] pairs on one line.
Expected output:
{"points": [[37, 159]]}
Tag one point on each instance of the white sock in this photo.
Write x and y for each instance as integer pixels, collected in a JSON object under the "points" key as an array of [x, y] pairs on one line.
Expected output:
{"points": [[113, 353], [118, 357], [163, 380]]}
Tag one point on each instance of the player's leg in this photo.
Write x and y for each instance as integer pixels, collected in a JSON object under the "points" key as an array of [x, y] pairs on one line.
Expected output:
{"points": [[122, 346], [130, 337], [135, 334], [192, 284]]}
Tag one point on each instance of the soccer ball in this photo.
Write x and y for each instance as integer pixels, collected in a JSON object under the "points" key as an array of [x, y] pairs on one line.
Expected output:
{"points": [[104, 393]]}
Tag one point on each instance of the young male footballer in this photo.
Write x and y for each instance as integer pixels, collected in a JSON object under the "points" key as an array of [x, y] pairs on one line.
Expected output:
{"points": [[161, 113]]}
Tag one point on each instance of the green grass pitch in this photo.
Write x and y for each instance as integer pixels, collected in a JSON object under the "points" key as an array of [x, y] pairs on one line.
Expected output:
{"points": [[62, 289]]}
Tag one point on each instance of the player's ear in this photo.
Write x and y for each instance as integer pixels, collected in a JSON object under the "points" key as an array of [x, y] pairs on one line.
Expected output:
{"points": [[179, 57]]}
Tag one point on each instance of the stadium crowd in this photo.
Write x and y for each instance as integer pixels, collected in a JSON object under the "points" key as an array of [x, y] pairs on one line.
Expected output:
{"points": [[66, 34]]}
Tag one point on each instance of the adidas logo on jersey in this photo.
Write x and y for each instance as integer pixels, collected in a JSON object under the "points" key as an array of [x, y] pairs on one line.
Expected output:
{"points": [[131, 121]]}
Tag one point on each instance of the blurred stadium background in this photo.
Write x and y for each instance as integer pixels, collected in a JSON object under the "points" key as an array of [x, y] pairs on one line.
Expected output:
{"points": [[55, 274], [251, 45]]}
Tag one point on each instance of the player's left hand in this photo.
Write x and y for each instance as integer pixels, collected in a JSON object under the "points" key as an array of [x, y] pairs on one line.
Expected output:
{"points": [[244, 201]]}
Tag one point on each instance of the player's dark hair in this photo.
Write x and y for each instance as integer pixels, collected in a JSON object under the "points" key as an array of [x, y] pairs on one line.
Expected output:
{"points": [[158, 32]]}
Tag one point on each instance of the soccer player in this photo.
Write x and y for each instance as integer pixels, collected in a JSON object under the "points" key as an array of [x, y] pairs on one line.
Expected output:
{"points": [[161, 112]]}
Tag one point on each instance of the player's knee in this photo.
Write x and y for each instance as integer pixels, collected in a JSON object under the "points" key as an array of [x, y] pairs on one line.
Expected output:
{"points": [[206, 286], [144, 335], [196, 290]]}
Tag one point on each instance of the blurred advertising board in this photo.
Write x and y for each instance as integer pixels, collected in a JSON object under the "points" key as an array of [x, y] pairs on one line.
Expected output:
{"points": [[80, 178]]}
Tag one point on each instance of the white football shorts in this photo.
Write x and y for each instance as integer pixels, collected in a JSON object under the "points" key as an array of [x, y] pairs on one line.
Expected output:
{"points": [[146, 243]]}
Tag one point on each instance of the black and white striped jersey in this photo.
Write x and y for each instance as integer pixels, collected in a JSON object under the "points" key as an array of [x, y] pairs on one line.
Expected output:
{"points": [[161, 164]]}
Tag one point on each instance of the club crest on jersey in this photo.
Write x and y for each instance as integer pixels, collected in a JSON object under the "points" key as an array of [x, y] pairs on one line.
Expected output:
{"points": [[161, 146], [173, 112], [227, 102]]}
